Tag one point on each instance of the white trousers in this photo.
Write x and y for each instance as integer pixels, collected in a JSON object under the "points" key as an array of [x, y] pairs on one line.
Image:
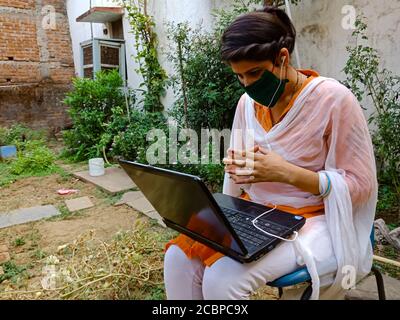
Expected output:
{"points": [[227, 279]]}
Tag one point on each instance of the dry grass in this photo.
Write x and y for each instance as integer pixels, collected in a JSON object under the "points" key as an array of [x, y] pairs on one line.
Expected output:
{"points": [[128, 267]]}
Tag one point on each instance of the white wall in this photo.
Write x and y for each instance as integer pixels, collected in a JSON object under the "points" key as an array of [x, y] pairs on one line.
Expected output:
{"points": [[322, 40]]}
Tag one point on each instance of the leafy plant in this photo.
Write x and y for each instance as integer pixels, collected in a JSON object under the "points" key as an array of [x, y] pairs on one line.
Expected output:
{"points": [[365, 77], [278, 3], [212, 91], [39, 254], [34, 158], [19, 242], [12, 271], [131, 143], [207, 90], [98, 111]]}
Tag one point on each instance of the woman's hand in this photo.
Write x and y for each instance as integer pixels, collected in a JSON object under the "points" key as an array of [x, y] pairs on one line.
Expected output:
{"points": [[256, 165], [260, 165]]}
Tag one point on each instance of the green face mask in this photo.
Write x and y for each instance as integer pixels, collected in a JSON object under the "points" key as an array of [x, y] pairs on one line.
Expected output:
{"points": [[267, 90]]}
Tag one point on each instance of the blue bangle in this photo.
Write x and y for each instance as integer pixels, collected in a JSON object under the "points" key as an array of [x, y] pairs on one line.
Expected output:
{"points": [[328, 189]]}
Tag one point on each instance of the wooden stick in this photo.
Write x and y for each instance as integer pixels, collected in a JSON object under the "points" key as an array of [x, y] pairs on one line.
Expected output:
{"points": [[385, 260]]}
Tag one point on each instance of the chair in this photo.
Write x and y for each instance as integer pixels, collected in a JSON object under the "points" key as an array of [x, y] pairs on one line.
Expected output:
{"points": [[302, 276]]}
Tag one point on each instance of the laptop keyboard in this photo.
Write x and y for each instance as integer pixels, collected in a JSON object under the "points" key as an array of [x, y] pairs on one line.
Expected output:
{"points": [[247, 232]]}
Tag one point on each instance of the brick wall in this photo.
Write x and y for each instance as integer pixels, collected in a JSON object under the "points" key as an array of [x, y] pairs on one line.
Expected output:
{"points": [[20, 4], [36, 63]]}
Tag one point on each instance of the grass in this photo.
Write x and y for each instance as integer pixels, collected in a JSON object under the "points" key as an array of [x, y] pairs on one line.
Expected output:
{"points": [[64, 175], [393, 226], [7, 177], [65, 214], [34, 237], [39, 254], [390, 270], [34, 159], [129, 266], [112, 199], [12, 272], [19, 242], [389, 252]]}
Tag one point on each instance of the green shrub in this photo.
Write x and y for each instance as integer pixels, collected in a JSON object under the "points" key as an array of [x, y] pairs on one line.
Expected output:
{"points": [[34, 158], [365, 77], [206, 88], [130, 142], [98, 110], [211, 90], [387, 198]]}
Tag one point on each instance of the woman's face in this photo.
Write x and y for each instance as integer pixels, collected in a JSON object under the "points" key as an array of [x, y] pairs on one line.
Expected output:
{"points": [[249, 71]]}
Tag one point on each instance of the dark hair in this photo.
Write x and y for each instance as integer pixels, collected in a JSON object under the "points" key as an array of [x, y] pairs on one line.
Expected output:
{"points": [[258, 35]]}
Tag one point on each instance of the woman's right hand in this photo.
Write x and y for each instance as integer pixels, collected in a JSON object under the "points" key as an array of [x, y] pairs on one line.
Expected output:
{"points": [[240, 171]]}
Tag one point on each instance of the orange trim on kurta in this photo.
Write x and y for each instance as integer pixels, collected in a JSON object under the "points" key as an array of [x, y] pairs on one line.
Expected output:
{"points": [[208, 256]]}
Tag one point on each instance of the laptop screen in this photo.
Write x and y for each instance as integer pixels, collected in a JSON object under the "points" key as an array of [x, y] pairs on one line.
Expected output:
{"points": [[181, 200]]}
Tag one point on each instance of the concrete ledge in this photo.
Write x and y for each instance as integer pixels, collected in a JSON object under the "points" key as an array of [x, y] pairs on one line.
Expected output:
{"points": [[26, 215]]}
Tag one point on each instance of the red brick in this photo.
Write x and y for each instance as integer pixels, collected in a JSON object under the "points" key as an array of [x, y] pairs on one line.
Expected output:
{"points": [[36, 66], [19, 4]]}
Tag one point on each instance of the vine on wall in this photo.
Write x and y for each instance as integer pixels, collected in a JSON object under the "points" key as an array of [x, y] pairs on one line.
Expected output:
{"points": [[146, 42]]}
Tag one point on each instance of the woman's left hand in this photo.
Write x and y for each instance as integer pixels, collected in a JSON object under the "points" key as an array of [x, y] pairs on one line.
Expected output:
{"points": [[256, 165]]}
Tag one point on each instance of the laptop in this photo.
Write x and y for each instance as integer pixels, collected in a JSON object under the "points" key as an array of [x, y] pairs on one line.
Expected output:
{"points": [[219, 221]]}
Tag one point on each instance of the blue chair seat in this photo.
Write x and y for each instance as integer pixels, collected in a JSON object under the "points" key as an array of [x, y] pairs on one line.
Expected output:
{"points": [[294, 278]]}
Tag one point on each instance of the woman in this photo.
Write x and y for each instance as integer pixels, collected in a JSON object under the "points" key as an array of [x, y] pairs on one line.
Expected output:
{"points": [[303, 146]]}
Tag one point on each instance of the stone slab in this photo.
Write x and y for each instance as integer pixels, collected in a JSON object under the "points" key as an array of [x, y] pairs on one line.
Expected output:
{"points": [[113, 181], [3, 248], [26, 215], [129, 197], [367, 289], [79, 204], [138, 201], [156, 216], [142, 205]]}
